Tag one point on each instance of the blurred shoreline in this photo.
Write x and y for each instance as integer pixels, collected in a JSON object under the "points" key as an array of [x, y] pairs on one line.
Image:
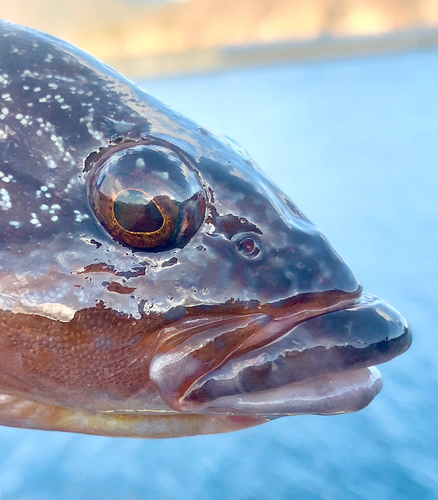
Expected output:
{"points": [[147, 39], [226, 58]]}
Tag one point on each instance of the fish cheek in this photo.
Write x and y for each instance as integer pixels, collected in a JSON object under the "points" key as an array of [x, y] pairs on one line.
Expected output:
{"points": [[98, 355]]}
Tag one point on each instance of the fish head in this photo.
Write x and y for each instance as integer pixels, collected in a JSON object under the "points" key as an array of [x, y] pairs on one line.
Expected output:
{"points": [[150, 268]]}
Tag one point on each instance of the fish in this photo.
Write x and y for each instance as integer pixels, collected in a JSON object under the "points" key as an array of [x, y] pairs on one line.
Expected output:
{"points": [[153, 281]]}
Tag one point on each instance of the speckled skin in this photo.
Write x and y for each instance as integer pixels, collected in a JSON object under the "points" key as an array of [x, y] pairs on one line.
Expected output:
{"points": [[80, 312], [55, 104]]}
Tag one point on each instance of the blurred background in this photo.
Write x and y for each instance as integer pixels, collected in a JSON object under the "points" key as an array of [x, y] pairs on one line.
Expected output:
{"points": [[158, 37], [337, 102]]}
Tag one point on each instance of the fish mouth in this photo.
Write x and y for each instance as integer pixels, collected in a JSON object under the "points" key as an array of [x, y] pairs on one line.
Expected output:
{"points": [[315, 362]]}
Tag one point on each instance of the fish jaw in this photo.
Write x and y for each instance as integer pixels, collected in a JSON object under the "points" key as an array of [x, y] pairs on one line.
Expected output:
{"points": [[324, 364]]}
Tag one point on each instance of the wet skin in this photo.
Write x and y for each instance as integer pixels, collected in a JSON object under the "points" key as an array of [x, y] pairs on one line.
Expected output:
{"points": [[153, 281]]}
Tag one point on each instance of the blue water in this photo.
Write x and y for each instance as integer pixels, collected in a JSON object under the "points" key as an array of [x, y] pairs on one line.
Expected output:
{"points": [[355, 145]]}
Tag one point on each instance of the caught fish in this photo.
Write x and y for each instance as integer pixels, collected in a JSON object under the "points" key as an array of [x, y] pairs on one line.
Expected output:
{"points": [[153, 281]]}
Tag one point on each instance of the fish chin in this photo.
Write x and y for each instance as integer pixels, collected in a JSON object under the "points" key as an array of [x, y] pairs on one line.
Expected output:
{"points": [[332, 394]]}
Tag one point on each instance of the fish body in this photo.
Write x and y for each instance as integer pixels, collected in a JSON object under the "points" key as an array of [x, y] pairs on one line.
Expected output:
{"points": [[153, 281]]}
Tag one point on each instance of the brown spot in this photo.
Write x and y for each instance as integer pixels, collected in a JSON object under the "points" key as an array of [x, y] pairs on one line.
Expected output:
{"points": [[118, 288], [170, 262], [101, 267], [230, 225], [98, 268]]}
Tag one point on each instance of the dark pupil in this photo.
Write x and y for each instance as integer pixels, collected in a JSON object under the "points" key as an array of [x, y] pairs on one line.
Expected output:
{"points": [[136, 212]]}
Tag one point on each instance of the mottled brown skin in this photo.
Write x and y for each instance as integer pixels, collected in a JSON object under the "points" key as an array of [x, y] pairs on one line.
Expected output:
{"points": [[173, 330]]}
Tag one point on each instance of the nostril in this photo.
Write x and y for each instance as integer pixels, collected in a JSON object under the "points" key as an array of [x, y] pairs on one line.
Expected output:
{"points": [[248, 247]]}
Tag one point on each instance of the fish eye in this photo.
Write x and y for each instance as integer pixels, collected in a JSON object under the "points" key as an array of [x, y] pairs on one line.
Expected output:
{"points": [[248, 247], [147, 197]]}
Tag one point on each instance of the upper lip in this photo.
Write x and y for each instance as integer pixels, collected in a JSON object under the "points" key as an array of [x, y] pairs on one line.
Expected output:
{"points": [[289, 313]]}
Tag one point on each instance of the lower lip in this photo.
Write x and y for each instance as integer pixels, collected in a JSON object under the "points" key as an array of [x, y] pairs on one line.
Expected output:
{"points": [[327, 394]]}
